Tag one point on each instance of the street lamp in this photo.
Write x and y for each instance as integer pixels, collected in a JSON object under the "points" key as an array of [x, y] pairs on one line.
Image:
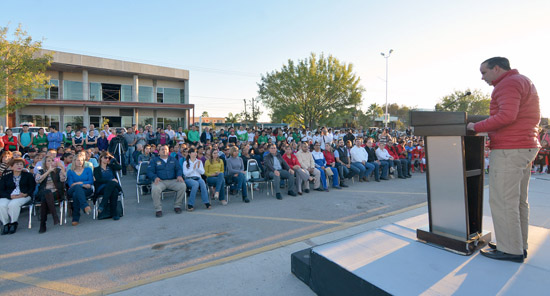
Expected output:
{"points": [[386, 56]]}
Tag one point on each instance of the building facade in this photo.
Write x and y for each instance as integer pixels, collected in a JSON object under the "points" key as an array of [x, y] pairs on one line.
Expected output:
{"points": [[88, 90]]}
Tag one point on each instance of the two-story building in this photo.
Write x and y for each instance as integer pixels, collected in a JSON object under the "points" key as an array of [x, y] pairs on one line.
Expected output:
{"points": [[92, 90]]}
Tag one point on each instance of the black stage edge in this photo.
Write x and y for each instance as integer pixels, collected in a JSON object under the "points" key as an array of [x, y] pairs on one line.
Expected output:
{"points": [[327, 278], [463, 247]]}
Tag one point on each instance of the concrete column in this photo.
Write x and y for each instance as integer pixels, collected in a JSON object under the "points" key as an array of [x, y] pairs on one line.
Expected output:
{"points": [[61, 120], [86, 117], [135, 89], [61, 92], [186, 92], [136, 116], [154, 118], [85, 85], [154, 91]]}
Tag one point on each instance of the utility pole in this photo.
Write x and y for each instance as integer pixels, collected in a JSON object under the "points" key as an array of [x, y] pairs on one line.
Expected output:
{"points": [[253, 112], [245, 113], [386, 115]]}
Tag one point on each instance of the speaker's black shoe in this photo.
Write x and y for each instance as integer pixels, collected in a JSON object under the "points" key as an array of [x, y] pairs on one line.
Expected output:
{"points": [[498, 255], [278, 196], [494, 247]]}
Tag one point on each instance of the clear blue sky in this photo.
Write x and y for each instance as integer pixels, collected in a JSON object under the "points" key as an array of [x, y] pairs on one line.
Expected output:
{"points": [[227, 45]]}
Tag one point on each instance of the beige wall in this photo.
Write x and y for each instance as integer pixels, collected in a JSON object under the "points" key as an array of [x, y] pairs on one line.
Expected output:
{"points": [[170, 84], [73, 76], [53, 74], [170, 113], [146, 112], [74, 111], [110, 112], [110, 79]]}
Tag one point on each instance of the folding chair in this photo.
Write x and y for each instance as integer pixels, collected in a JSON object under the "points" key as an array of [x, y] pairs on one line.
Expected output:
{"points": [[253, 166], [142, 181]]}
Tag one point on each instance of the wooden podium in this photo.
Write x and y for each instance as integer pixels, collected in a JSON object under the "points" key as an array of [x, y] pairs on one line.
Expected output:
{"points": [[454, 158]]}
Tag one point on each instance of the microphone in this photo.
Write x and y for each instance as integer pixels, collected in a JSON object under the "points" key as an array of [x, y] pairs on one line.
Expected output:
{"points": [[452, 103]]}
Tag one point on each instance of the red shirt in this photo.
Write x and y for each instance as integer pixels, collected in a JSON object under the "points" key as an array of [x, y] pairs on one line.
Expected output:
{"points": [[292, 161], [7, 141], [392, 150], [329, 157]]}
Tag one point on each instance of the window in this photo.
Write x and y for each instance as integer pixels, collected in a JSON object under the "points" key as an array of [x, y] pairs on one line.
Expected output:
{"points": [[76, 121], [160, 95], [175, 122], [95, 120], [126, 93], [53, 120], [37, 120], [145, 94], [126, 121], [172, 95], [54, 89], [72, 90], [95, 91], [143, 121]]}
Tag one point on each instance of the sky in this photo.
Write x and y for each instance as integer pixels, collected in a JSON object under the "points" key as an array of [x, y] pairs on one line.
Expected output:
{"points": [[228, 45]]}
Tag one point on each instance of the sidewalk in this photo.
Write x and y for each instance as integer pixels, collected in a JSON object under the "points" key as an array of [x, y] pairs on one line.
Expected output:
{"points": [[268, 273]]}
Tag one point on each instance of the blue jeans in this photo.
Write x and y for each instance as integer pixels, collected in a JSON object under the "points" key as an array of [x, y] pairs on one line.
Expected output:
{"points": [[78, 194], [195, 185], [377, 170], [335, 178], [369, 166], [129, 158], [219, 182], [386, 164], [361, 168], [241, 182], [323, 178]]}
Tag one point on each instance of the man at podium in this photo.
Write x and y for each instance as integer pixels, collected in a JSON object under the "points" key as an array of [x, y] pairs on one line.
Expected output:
{"points": [[512, 128]]}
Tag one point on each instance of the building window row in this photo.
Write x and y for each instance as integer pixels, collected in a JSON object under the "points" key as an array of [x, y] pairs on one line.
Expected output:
{"points": [[73, 90]]}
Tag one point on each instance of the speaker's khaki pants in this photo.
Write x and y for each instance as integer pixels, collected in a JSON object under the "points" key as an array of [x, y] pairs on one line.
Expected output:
{"points": [[509, 173]]}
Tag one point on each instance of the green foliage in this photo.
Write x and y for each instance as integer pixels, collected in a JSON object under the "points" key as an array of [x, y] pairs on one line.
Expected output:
{"points": [[205, 114], [402, 113], [310, 92], [232, 118], [477, 103], [372, 113], [22, 70]]}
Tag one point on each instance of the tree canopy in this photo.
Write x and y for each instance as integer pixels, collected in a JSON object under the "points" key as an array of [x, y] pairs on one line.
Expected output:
{"points": [[311, 92], [233, 118], [476, 103], [22, 70]]}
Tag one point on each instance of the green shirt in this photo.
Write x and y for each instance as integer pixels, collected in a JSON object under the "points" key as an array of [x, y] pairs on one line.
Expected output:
{"points": [[40, 142], [262, 139], [193, 136]]}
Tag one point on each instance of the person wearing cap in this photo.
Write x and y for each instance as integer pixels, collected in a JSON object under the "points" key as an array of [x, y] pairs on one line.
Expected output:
{"points": [[16, 188]]}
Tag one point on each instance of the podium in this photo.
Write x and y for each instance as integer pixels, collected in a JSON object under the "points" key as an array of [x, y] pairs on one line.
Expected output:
{"points": [[454, 161]]}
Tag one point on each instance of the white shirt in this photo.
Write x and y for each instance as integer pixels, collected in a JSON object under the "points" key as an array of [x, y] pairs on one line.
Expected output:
{"points": [[191, 171], [251, 137], [359, 154], [318, 155], [382, 154]]}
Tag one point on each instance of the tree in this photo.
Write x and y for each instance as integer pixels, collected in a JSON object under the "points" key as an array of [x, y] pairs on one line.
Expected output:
{"points": [[374, 112], [233, 118], [476, 103], [205, 114], [22, 71], [308, 92]]}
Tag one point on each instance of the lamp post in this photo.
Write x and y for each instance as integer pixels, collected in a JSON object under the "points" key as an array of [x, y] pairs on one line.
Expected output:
{"points": [[386, 115]]}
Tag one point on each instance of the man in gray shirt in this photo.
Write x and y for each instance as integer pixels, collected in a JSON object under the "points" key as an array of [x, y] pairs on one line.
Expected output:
{"points": [[131, 139], [276, 168]]}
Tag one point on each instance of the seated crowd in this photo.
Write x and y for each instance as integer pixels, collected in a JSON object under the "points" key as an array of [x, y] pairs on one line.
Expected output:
{"points": [[83, 165]]}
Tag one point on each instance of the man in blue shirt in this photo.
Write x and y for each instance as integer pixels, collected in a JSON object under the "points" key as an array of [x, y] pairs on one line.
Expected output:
{"points": [[54, 138], [166, 173]]}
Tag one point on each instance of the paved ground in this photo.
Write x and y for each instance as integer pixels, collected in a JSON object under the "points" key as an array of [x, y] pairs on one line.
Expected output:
{"points": [[107, 256], [267, 272]]}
